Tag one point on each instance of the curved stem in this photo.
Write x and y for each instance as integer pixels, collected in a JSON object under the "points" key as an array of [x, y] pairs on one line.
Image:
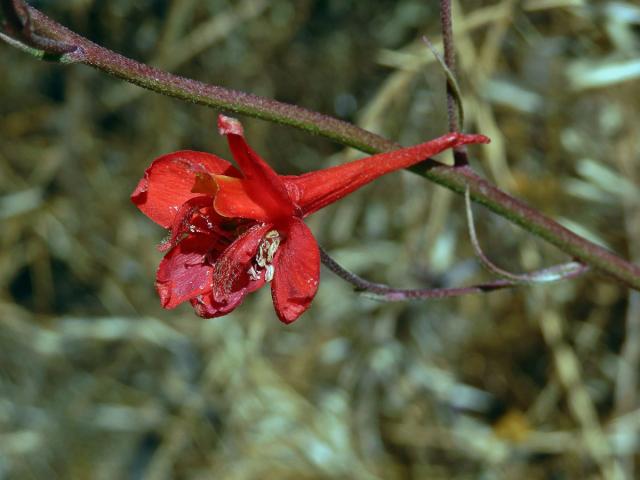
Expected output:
{"points": [[549, 274], [391, 294], [48, 39]]}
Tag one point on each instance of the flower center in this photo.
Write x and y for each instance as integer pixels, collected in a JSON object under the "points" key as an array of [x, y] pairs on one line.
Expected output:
{"points": [[264, 258]]}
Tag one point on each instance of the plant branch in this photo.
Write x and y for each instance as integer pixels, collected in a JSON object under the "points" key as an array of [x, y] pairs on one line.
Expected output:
{"points": [[454, 98], [449, 60], [452, 84], [390, 294], [86, 52], [554, 273], [457, 179], [387, 293]]}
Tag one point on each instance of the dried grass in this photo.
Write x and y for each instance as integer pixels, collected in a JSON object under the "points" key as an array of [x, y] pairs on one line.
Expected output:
{"points": [[97, 381]]}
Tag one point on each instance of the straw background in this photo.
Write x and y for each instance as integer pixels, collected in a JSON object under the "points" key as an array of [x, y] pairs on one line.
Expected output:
{"points": [[97, 381]]}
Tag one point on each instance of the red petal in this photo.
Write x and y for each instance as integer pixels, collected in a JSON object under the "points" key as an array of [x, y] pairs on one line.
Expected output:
{"points": [[315, 190], [182, 220], [206, 307], [231, 280], [261, 182], [233, 200], [168, 182], [297, 272], [184, 272]]}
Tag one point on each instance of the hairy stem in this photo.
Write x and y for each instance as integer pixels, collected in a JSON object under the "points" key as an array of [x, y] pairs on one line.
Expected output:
{"points": [[46, 38]]}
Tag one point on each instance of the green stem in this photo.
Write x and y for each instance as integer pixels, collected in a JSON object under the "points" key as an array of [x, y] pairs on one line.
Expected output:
{"points": [[46, 38]]}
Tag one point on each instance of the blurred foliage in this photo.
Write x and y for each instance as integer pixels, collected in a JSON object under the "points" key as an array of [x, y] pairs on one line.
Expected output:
{"points": [[97, 381]]}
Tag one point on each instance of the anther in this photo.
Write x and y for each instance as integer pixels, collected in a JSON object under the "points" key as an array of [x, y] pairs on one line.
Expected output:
{"points": [[253, 273], [268, 273], [264, 257]]}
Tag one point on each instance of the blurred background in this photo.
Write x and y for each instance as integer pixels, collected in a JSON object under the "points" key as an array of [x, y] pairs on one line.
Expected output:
{"points": [[97, 381]]}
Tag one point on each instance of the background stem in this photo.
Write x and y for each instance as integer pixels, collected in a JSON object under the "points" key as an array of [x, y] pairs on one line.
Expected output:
{"points": [[446, 22], [449, 60]]}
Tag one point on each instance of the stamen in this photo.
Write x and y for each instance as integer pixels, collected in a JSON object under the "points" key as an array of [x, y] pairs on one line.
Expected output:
{"points": [[268, 248], [268, 273], [253, 273], [264, 257]]}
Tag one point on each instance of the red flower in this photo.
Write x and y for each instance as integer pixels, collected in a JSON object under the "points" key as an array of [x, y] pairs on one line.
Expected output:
{"points": [[233, 231]]}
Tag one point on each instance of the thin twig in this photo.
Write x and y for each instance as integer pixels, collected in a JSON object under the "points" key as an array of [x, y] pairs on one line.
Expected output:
{"points": [[390, 294], [449, 60], [452, 83], [456, 179], [561, 271], [385, 292], [446, 22]]}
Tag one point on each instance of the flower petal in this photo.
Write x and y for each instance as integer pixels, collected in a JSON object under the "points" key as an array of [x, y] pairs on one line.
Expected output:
{"points": [[231, 281], [261, 182], [169, 181], [206, 307], [185, 272], [233, 200], [297, 272], [315, 190], [181, 223]]}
